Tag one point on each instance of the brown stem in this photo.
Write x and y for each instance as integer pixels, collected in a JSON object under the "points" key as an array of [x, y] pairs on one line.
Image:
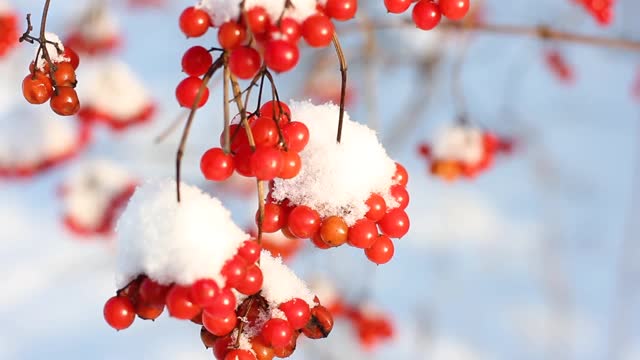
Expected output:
{"points": [[457, 86], [227, 132], [276, 98], [343, 90], [187, 126]]}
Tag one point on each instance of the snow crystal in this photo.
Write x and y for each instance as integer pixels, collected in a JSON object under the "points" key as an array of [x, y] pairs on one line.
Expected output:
{"points": [[55, 55], [222, 11], [336, 179], [29, 138], [115, 89], [175, 242], [91, 189], [461, 143], [280, 284]]}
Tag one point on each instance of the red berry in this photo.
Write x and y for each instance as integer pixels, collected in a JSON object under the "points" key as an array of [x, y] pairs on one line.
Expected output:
{"points": [[401, 195], [187, 92], [262, 350], [296, 135], [73, 57], [180, 304], [291, 165], [265, 132], [231, 35], [275, 217], [243, 161], [276, 110], [194, 22], [341, 9], [221, 347], [238, 354], [219, 325], [401, 177], [216, 165], [454, 9], [266, 163], [119, 312], [377, 207], [319, 242], [426, 14], [258, 20], [297, 311], [252, 282], [318, 30], [363, 234], [64, 75], [281, 55], [277, 332], [244, 62], [235, 271], [382, 250], [148, 312], [150, 292], [303, 222], [204, 292], [250, 251], [334, 231], [395, 223], [37, 89], [196, 61], [64, 101], [397, 6], [291, 30], [224, 303]]}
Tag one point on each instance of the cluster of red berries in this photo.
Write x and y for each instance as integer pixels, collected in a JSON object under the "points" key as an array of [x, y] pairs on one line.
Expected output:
{"points": [[224, 316], [428, 13], [372, 327], [601, 10], [278, 140], [9, 32], [372, 233], [451, 169], [54, 82], [255, 38]]}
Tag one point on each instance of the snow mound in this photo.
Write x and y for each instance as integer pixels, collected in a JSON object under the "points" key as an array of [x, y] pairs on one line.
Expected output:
{"points": [[460, 143], [280, 283], [175, 242], [222, 11], [336, 179], [55, 55]]}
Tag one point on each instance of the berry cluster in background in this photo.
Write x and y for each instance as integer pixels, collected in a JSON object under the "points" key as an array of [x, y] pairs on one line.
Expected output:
{"points": [[9, 31], [426, 14], [600, 10]]}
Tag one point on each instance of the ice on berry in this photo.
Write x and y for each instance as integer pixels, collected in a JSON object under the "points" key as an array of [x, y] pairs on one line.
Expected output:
{"points": [[175, 242], [280, 283], [336, 179], [94, 193], [55, 49]]}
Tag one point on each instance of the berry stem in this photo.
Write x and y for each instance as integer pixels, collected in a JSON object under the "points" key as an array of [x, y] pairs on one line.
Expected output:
{"points": [[276, 97], [457, 85], [343, 89], [227, 135], [171, 128], [192, 113]]}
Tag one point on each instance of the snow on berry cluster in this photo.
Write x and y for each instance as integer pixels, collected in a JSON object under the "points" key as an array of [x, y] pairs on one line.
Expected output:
{"points": [[95, 32], [260, 31], [115, 96], [34, 141], [9, 31], [192, 259], [600, 10], [347, 192], [273, 156], [463, 151], [427, 14], [94, 196], [53, 79]]}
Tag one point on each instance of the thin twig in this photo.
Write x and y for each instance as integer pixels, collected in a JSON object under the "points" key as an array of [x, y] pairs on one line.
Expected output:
{"points": [[171, 128], [225, 106], [343, 89]]}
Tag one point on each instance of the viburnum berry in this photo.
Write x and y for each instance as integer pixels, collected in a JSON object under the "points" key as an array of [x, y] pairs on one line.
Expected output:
{"points": [[297, 312], [231, 35], [262, 350], [401, 175], [274, 218], [187, 92], [276, 110], [281, 55], [73, 57], [334, 231], [266, 163], [235, 271], [250, 251], [148, 312], [454, 9], [180, 304], [395, 223], [222, 347], [194, 22], [291, 30], [401, 195], [363, 234], [252, 282], [319, 242], [243, 161], [64, 101], [64, 74], [151, 292], [258, 20], [239, 354], [342, 10], [119, 312], [204, 292], [37, 88], [377, 207], [224, 303], [208, 339], [219, 325], [317, 30], [244, 62], [277, 332], [265, 132], [381, 251], [196, 61], [216, 165], [397, 6], [426, 14], [303, 222], [321, 323], [296, 135], [291, 165]]}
